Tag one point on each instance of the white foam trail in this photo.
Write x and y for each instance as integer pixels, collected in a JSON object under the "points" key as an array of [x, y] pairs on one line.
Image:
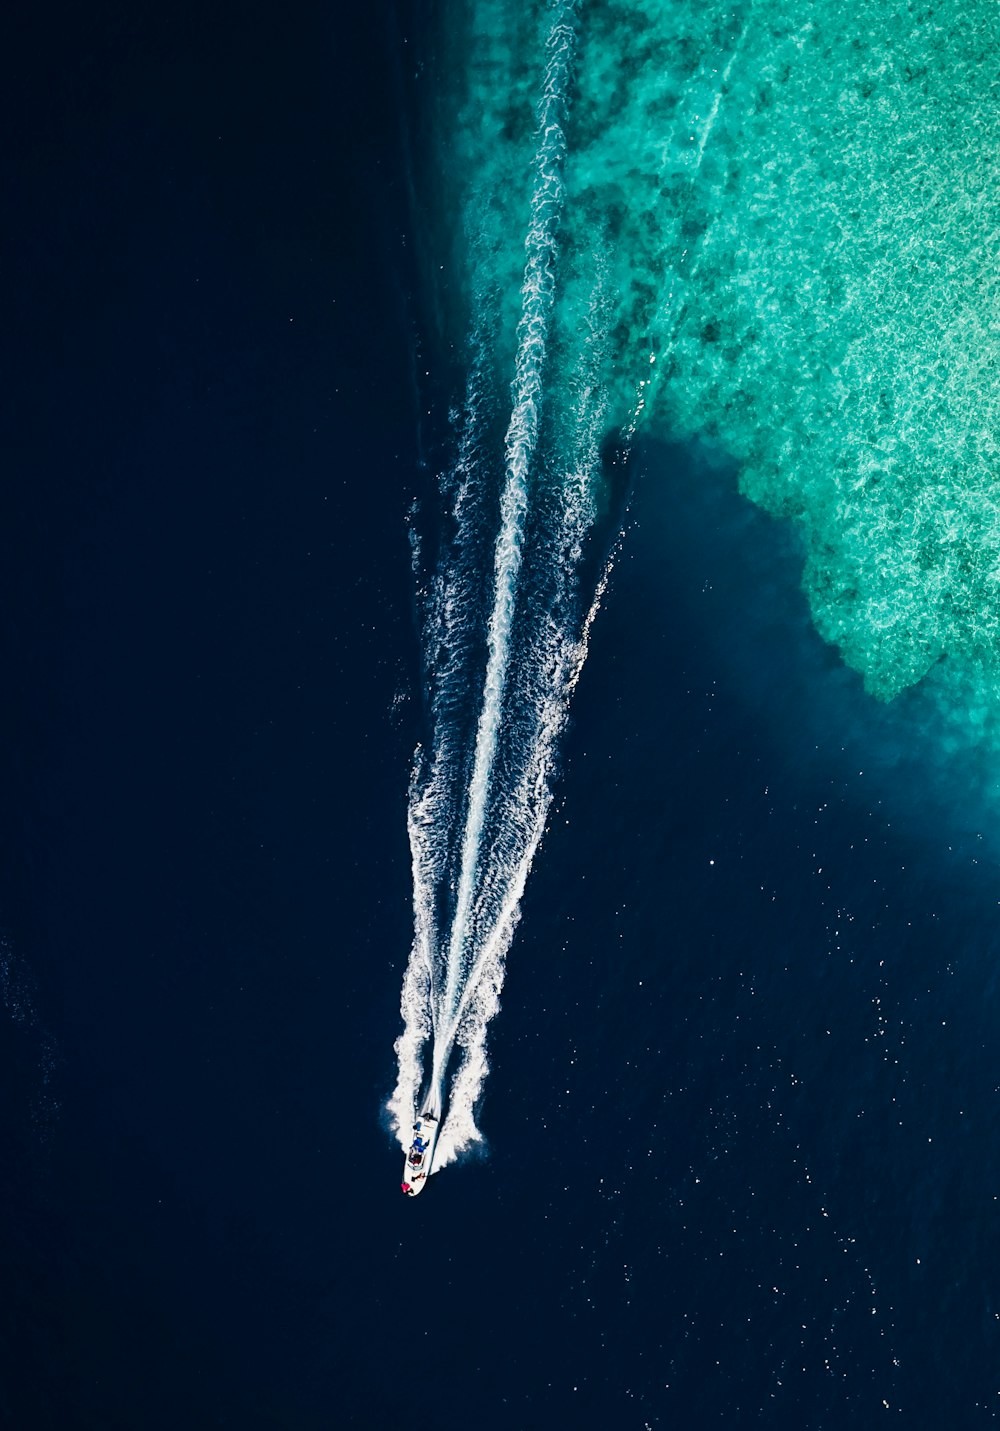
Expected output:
{"points": [[446, 615], [452, 985], [522, 435], [555, 670]]}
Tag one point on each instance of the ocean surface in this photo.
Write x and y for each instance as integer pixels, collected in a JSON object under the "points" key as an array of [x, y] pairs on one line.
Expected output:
{"points": [[723, 982]]}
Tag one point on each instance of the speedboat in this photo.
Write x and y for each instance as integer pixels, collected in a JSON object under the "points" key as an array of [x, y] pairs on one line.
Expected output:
{"points": [[420, 1158]]}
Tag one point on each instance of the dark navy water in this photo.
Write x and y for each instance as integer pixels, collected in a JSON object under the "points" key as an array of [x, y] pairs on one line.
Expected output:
{"points": [[743, 1114]]}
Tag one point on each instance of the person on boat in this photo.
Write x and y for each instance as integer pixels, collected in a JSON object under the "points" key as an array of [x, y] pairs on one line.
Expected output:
{"points": [[405, 1187], [419, 1144]]}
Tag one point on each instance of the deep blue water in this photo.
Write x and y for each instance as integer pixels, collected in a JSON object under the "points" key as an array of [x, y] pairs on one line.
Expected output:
{"points": [[743, 1162]]}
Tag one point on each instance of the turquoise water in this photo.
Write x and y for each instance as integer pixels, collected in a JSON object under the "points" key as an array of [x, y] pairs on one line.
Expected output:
{"points": [[779, 221]]}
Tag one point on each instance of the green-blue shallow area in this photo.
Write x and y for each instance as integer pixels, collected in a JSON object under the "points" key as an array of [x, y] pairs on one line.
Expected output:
{"points": [[784, 218]]}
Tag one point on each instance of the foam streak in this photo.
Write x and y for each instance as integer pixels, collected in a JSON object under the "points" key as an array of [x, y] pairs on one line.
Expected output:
{"points": [[532, 662]]}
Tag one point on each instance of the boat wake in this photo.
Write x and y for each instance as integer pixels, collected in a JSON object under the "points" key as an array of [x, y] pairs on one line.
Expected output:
{"points": [[509, 598], [479, 800]]}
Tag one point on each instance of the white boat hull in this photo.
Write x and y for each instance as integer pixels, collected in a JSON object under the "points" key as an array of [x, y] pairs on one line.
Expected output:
{"points": [[420, 1160]]}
